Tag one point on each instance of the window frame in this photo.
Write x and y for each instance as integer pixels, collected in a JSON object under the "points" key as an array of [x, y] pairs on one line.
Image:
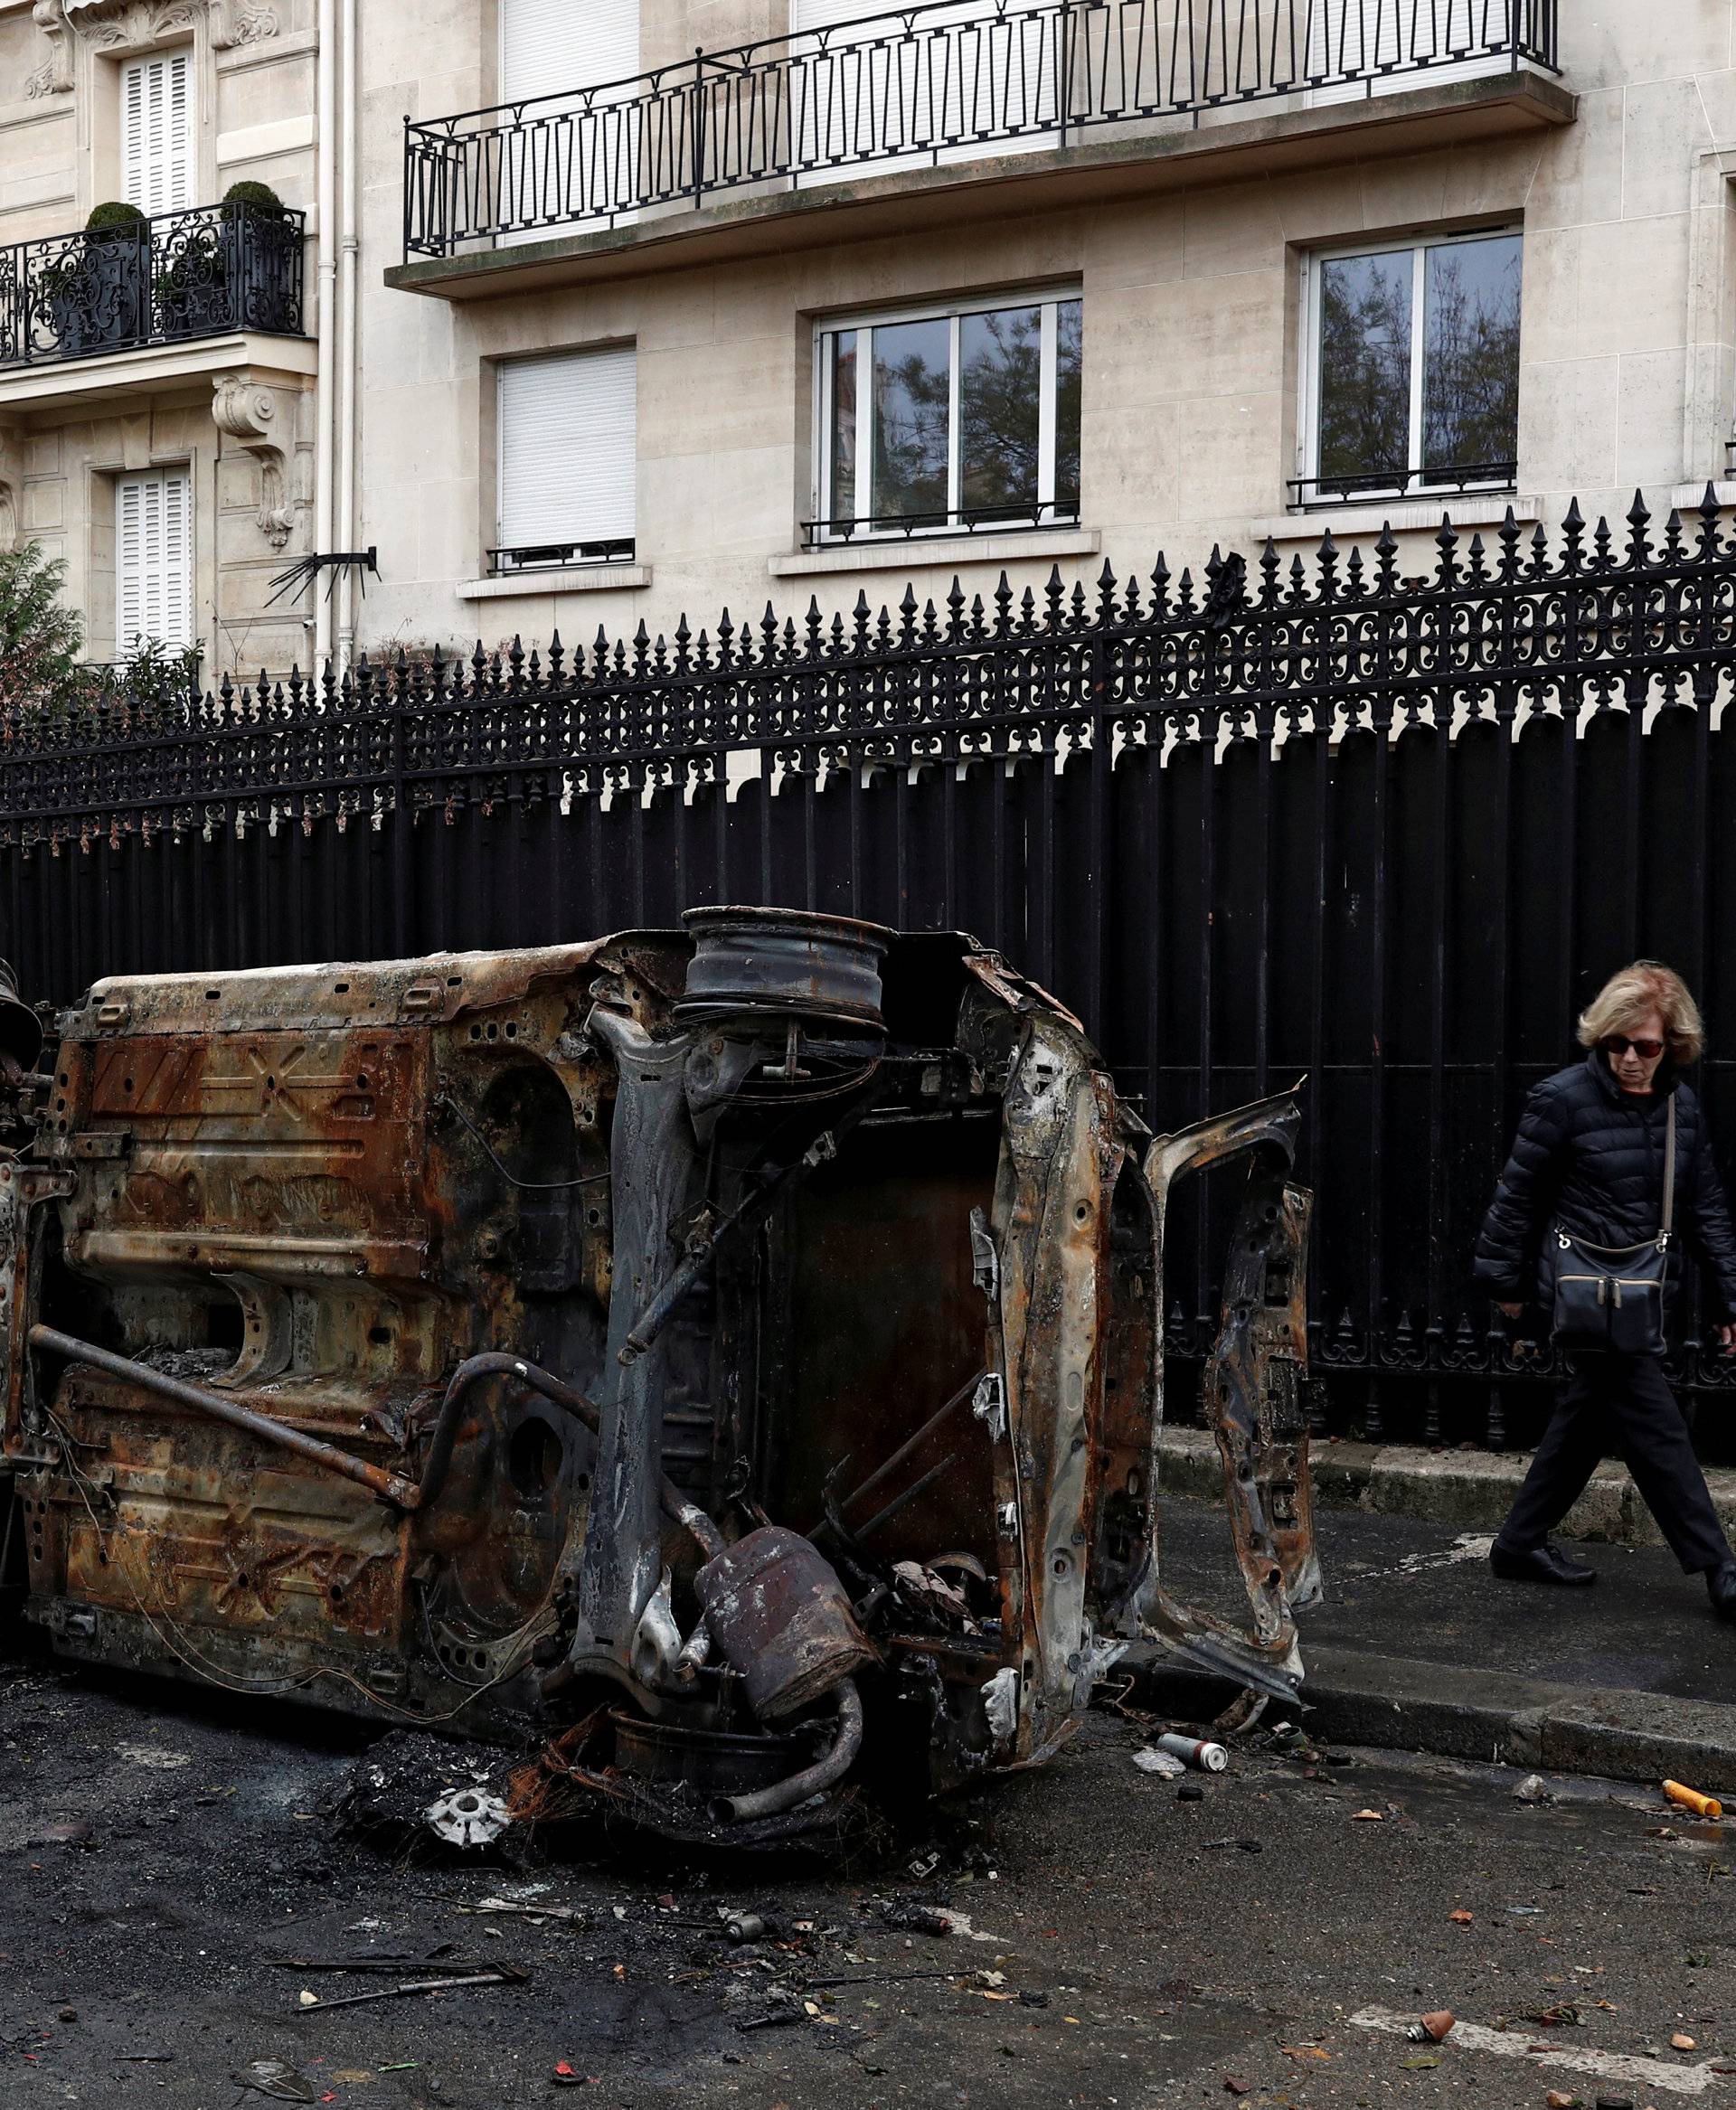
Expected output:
{"points": [[507, 560], [163, 475], [1417, 484], [822, 532]]}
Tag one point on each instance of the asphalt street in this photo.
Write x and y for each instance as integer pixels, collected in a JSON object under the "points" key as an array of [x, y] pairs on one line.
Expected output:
{"points": [[164, 1861]]}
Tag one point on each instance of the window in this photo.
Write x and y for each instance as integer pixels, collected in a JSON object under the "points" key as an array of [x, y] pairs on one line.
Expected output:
{"points": [[157, 132], [953, 420], [153, 561], [1412, 369], [567, 443]]}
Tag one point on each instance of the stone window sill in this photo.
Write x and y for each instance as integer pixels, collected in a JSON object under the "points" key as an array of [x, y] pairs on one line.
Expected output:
{"points": [[517, 586], [1479, 509], [921, 553]]}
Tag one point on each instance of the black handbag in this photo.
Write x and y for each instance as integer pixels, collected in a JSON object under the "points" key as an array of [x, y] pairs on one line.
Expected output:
{"points": [[1610, 1298]]}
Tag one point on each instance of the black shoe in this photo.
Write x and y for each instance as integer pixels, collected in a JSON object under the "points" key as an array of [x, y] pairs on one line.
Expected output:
{"points": [[1548, 1564], [1720, 1587]]}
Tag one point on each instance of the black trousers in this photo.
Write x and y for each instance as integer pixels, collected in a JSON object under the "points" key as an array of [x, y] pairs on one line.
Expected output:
{"points": [[1629, 1397]]}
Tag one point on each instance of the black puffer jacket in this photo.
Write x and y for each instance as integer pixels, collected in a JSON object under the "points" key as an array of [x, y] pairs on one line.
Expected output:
{"points": [[1591, 1156]]}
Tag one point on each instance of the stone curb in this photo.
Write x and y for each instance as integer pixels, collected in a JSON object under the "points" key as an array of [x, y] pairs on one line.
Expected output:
{"points": [[1472, 1489], [1397, 1703]]}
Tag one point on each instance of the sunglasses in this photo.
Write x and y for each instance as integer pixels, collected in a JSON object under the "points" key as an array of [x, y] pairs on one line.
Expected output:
{"points": [[1619, 1044]]}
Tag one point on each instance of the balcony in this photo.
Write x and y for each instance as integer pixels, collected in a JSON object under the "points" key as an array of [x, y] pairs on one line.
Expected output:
{"points": [[943, 97], [218, 271]]}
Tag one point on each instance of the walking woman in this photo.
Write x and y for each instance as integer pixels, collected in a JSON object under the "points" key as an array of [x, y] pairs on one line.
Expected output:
{"points": [[1611, 1171]]}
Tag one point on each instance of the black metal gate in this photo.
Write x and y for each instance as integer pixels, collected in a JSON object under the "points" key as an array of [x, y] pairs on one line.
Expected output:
{"points": [[1390, 830]]}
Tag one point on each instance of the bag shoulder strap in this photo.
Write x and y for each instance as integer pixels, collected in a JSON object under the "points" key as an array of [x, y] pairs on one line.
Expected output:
{"points": [[1669, 1167]]}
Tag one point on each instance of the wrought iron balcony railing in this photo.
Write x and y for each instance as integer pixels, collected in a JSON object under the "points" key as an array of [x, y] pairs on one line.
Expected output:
{"points": [[1348, 486], [177, 275], [938, 80]]}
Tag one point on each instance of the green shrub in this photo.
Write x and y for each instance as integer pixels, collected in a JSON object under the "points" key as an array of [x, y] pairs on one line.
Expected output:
{"points": [[251, 193], [114, 214]]}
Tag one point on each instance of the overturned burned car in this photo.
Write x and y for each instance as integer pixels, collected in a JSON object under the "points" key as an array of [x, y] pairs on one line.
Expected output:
{"points": [[730, 1359]]}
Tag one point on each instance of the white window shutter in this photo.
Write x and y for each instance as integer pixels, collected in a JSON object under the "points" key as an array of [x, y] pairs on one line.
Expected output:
{"points": [[157, 132], [568, 446], [153, 560], [547, 46]]}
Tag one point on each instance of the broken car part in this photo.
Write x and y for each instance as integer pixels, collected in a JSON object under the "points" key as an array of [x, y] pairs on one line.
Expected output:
{"points": [[698, 1352]]}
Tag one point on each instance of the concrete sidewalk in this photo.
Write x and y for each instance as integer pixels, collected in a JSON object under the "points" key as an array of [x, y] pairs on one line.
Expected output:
{"points": [[1473, 1490], [1417, 1647]]}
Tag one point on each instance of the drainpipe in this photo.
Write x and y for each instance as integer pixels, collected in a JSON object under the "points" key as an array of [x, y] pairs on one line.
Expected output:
{"points": [[346, 534], [325, 218]]}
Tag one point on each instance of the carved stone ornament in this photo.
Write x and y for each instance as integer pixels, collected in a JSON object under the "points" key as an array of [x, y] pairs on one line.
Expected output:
{"points": [[247, 412], [109, 26]]}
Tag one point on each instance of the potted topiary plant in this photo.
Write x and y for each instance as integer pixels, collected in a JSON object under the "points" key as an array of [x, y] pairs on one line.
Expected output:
{"points": [[224, 270], [258, 239], [93, 294]]}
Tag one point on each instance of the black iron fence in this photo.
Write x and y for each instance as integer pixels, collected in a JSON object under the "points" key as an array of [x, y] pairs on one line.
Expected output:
{"points": [[936, 80], [159, 280], [1388, 831]]}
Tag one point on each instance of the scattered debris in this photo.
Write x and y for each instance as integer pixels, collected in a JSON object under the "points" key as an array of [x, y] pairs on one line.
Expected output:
{"points": [[1461, 1917], [1433, 2027], [1161, 1763], [501, 1974], [1562, 2014], [275, 2077], [1682, 2042], [468, 1816], [1368, 1817], [1190, 1791], [1558, 2100], [1233, 2086], [1194, 1751], [915, 1919], [1691, 1798], [1532, 1788]]}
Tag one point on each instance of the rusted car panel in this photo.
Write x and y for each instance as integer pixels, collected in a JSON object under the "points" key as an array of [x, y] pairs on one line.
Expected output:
{"points": [[713, 1335]]}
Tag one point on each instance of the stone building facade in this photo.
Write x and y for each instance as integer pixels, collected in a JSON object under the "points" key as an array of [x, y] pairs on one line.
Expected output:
{"points": [[158, 381], [641, 308]]}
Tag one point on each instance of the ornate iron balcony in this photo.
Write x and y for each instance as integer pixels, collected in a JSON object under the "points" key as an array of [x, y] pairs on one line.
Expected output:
{"points": [[938, 80], [177, 275]]}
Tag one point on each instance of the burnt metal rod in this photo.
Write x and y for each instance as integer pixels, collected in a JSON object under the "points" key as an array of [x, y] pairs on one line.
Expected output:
{"points": [[919, 1485], [757, 1202], [882, 1473], [391, 1487]]}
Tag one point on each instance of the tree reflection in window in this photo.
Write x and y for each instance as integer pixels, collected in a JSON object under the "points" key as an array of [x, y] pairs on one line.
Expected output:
{"points": [[1417, 366], [1470, 363], [965, 419], [1364, 370]]}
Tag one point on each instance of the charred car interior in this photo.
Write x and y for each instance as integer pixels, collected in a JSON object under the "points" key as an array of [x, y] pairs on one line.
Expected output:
{"points": [[728, 1361]]}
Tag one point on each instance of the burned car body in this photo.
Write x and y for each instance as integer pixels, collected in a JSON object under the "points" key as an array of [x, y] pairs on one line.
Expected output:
{"points": [[711, 1340]]}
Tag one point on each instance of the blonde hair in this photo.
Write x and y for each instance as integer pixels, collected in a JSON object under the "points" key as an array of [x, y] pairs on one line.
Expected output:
{"points": [[1626, 997]]}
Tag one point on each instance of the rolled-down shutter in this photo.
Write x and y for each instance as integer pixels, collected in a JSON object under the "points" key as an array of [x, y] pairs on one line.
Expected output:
{"points": [[584, 163], [157, 132], [568, 448], [547, 46], [154, 560]]}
